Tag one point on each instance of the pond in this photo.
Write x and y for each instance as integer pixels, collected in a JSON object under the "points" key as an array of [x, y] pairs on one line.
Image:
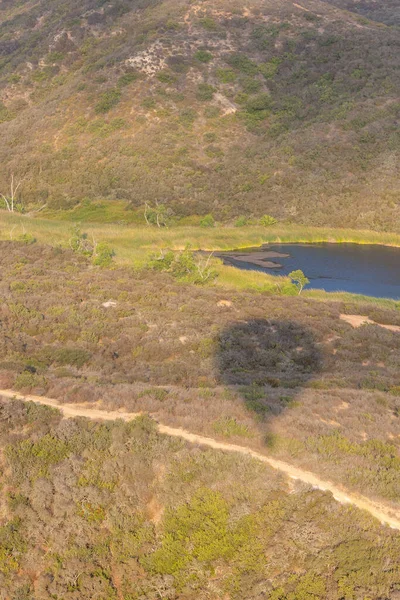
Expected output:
{"points": [[371, 270]]}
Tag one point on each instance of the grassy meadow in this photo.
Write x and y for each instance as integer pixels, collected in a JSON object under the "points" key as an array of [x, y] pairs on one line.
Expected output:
{"points": [[134, 244]]}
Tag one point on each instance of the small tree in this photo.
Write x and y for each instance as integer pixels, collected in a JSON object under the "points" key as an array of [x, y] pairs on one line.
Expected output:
{"points": [[299, 279], [80, 243], [207, 221], [103, 255], [157, 215], [185, 265], [267, 220]]}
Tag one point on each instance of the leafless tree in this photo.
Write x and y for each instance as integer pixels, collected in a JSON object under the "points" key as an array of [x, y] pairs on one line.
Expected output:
{"points": [[146, 209], [11, 199], [203, 267]]}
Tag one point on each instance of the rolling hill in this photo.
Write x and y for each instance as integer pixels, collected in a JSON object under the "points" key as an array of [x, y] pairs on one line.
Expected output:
{"points": [[284, 108]]}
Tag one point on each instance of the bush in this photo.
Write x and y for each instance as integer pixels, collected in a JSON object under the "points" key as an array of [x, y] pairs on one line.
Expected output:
{"points": [[228, 426], [68, 356], [165, 77], [209, 23], [241, 221], [251, 86], [27, 238], [203, 56], [242, 63], [299, 279], [107, 101], [205, 92], [128, 78], [267, 221], [226, 75], [258, 106], [28, 381], [149, 102], [207, 221], [80, 243], [185, 266], [103, 255]]}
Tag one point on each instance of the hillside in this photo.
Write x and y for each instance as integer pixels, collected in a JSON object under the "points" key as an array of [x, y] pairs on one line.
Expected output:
{"points": [[387, 12], [281, 373], [269, 107], [120, 511]]}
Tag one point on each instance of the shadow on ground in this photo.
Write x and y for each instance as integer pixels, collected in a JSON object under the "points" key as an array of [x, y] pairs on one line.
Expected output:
{"points": [[268, 362]]}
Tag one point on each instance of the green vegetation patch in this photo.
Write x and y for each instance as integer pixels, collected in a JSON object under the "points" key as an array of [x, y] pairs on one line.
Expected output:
{"points": [[107, 101]]}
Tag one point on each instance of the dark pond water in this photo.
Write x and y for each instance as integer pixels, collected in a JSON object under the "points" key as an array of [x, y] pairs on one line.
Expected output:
{"points": [[361, 269]]}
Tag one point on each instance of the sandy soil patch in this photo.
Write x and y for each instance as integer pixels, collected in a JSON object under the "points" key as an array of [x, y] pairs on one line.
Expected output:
{"points": [[359, 320]]}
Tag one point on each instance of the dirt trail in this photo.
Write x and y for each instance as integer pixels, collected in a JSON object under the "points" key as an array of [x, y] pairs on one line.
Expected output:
{"points": [[381, 512]]}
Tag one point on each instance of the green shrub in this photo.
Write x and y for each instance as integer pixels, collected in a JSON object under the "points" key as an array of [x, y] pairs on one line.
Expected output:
{"points": [[250, 86], [103, 255], [207, 221], [242, 63], [203, 56], [267, 221], [33, 459], [27, 238], [107, 101], [80, 243], [185, 266], [149, 102], [91, 513], [205, 92], [209, 23], [258, 107], [27, 380], [165, 77], [226, 75], [270, 68], [241, 221], [5, 113], [54, 57], [228, 426], [128, 78], [74, 356], [187, 116], [254, 397], [210, 137]]}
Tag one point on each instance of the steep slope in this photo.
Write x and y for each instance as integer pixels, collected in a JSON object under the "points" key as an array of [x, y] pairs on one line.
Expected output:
{"points": [[383, 12], [269, 107]]}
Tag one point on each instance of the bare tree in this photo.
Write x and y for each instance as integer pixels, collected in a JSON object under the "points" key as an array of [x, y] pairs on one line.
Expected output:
{"points": [[146, 210], [156, 215], [10, 200], [203, 267]]}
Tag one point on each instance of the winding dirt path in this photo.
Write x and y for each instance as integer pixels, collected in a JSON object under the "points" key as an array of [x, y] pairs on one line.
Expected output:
{"points": [[381, 512]]}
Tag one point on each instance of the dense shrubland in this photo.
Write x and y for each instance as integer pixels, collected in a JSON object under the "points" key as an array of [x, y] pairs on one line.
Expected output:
{"points": [[277, 108], [118, 511], [275, 371]]}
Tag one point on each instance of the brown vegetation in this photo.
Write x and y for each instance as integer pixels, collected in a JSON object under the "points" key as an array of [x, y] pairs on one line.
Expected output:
{"points": [[284, 373]]}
